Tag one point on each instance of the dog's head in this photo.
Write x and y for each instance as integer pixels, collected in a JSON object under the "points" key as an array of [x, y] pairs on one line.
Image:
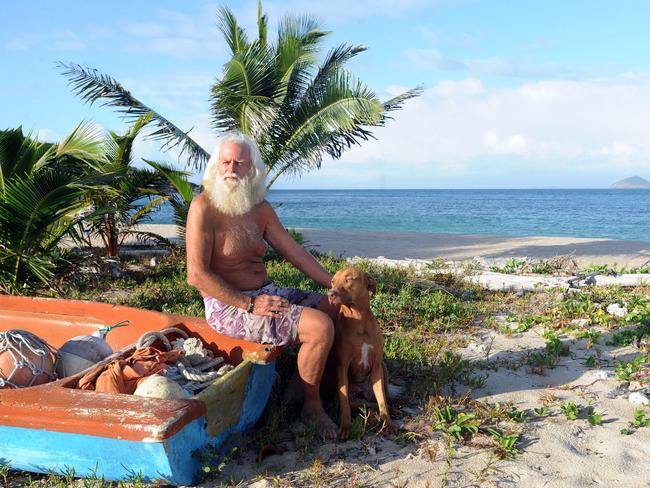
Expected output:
{"points": [[351, 286]]}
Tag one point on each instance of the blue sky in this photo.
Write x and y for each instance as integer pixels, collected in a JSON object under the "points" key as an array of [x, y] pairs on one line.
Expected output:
{"points": [[517, 94]]}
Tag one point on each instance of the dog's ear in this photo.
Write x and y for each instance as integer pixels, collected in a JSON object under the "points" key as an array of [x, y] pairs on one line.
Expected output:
{"points": [[372, 284]]}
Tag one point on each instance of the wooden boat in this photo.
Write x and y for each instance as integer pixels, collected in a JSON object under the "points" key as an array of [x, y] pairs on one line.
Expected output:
{"points": [[57, 427]]}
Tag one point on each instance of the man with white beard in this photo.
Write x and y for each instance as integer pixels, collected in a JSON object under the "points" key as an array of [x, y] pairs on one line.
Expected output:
{"points": [[228, 227]]}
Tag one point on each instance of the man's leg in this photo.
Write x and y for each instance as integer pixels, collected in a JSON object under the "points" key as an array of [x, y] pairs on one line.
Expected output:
{"points": [[316, 335]]}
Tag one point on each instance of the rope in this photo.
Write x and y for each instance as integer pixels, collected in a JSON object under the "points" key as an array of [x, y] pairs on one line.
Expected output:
{"points": [[192, 369], [105, 330], [148, 338]]}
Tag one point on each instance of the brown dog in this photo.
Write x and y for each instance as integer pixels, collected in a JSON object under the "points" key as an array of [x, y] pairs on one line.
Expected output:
{"points": [[358, 344]]}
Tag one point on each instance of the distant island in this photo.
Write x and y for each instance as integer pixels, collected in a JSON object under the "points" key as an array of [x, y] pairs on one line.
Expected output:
{"points": [[632, 183]]}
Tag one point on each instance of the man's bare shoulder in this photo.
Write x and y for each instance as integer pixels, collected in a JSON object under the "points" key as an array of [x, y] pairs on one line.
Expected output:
{"points": [[201, 205], [265, 209]]}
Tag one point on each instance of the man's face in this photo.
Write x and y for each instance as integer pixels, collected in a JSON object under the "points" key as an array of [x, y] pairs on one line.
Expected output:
{"points": [[234, 163]]}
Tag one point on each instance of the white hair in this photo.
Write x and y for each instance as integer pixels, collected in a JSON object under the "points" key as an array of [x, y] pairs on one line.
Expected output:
{"points": [[246, 194]]}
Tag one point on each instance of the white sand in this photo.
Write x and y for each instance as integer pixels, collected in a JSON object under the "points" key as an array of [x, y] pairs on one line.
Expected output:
{"points": [[555, 452], [459, 247]]}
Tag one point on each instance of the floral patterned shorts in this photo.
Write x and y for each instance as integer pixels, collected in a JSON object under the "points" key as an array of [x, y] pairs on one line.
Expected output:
{"points": [[236, 322]]}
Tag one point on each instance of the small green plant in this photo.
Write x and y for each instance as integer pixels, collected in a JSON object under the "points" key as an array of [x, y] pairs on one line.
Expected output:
{"points": [[640, 419], [591, 361], [505, 443], [624, 338], [554, 346], [460, 425], [597, 268], [627, 371], [516, 414], [541, 411], [638, 422], [570, 410], [543, 267], [360, 423], [539, 361], [593, 417], [592, 335]]}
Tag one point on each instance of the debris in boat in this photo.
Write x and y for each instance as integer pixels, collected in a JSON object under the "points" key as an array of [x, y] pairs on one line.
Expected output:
{"points": [[122, 375], [25, 360], [80, 353], [158, 386]]}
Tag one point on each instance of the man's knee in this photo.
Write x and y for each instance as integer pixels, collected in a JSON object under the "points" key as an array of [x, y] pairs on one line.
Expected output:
{"points": [[315, 326]]}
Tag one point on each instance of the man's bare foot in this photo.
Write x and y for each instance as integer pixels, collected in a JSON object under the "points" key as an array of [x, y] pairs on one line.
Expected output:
{"points": [[323, 424]]}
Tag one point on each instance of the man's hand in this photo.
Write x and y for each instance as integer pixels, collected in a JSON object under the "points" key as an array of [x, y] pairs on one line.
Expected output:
{"points": [[270, 305]]}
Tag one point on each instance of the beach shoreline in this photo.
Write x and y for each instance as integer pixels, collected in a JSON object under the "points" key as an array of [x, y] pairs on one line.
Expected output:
{"points": [[461, 247]]}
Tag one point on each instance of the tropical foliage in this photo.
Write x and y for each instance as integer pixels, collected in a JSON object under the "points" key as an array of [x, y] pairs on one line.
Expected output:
{"points": [[41, 197], [296, 108], [84, 189], [129, 195]]}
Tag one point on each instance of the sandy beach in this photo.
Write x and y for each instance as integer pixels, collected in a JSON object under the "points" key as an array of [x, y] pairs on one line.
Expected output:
{"points": [[460, 247]]}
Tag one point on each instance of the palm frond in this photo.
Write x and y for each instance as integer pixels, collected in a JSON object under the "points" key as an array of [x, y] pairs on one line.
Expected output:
{"points": [[397, 102], [124, 144], [330, 119], [245, 97], [234, 35], [334, 61], [262, 25], [144, 236], [143, 211], [303, 27], [85, 141], [31, 211], [178, 179], [180, 201], [91, 85], [21, 155]]}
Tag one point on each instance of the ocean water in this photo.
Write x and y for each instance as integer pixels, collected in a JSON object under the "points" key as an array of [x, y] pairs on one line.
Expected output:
{"points": [[616, 214]]}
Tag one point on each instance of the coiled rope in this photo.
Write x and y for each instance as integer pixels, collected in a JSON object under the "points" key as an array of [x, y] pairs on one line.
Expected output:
{"points": [[191, 369]]}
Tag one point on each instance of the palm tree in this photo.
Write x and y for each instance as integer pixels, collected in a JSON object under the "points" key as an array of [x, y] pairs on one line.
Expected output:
{"points": [[41, 194], [296, 109], [130, 194]]}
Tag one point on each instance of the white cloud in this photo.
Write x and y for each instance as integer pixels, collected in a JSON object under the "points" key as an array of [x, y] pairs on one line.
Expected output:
{"points": [[432, 58], [532, 134], [514, 144], [450, 88], [619, 151]]}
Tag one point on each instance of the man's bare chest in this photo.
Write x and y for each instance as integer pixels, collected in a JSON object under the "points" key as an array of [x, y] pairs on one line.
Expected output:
{"points": [[239, 240]]}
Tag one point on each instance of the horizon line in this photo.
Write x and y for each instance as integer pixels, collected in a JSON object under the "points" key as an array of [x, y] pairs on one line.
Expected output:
{"points": [[420, 189]]}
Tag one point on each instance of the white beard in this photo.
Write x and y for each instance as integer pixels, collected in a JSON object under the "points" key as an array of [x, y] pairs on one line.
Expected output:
{"points": [[235, 198]]}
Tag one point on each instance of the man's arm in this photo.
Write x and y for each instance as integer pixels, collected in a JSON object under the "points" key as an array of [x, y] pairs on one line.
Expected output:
{"points": [[199, 243], [280, 240]]}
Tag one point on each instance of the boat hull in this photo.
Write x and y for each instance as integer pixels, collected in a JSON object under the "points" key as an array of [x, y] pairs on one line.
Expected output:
{"points": [[57, 428]]}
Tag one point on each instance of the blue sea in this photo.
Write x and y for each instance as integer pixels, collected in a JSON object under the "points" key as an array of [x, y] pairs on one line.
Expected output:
{"points": [[616, 214]]}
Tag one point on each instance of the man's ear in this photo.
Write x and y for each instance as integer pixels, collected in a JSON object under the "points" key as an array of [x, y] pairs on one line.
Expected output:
{"points": [[372, 284]]}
